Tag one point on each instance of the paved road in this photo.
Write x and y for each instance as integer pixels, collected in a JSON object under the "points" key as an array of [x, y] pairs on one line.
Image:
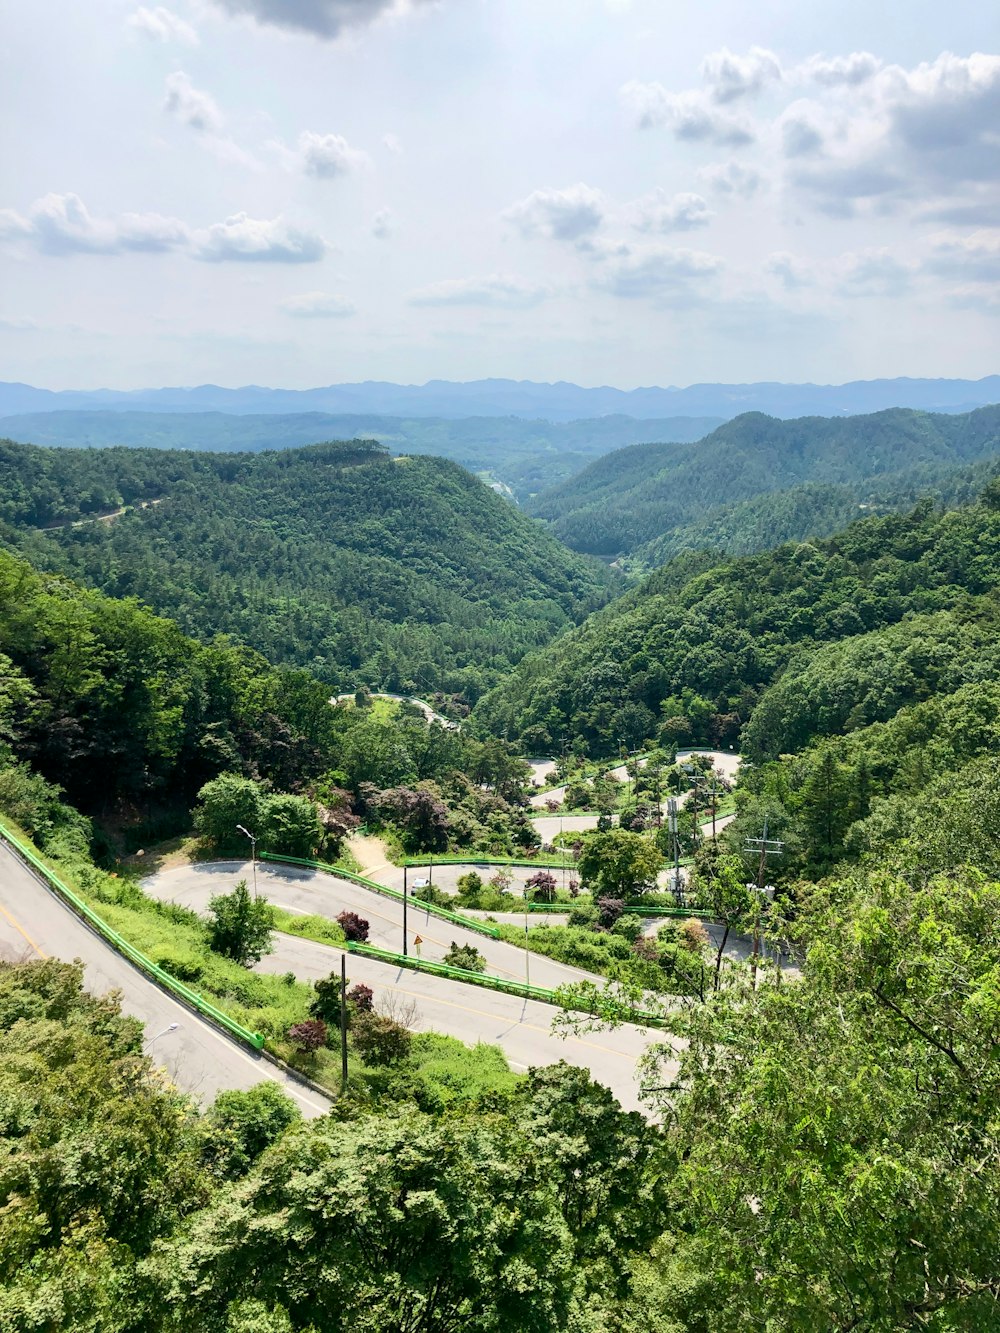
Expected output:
{"points": [[542, 771], [550, 826], [196, 1055], [307, 891], [724, 761], [523, 1028]]}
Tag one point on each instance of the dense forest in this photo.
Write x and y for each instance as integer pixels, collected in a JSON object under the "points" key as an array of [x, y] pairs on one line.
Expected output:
{"points": [[811, 639], [403, 573], [819, 1132], [757, 481], [524, 455]]}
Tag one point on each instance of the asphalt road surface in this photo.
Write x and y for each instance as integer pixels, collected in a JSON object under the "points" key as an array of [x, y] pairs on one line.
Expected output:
{"points": [[197, 1056], [306, 891], [523, 1028]]}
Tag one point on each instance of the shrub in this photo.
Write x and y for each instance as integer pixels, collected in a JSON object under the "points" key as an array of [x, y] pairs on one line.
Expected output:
{"points": [[308, 1036], [355, 927], [693, 935], [608, 911], [380, 1040], [361, 997], [544, 884], [465, 956]]}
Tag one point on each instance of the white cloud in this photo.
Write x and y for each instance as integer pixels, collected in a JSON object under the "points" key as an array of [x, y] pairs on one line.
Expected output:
{"points": [[971, 258], [243, 239], [872, 272], [561, 215], [198, 110], [926, 134], [800, 136], [60, 224], [495, 290], [391, 141], [327, 156], [791, 271], [191, 105], [162, 25], [660, 272], [319, 305], [730, 76], [383, 224], [842, 71], [682, 212], [321, 18], [732, 178], [689, 115]]}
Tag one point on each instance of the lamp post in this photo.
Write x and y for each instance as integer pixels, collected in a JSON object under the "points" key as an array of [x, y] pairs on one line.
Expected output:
{"points": [[253, 855], [527, 970], [405, 895]]}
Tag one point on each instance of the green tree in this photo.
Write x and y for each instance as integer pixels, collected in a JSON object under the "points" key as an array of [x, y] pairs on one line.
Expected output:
{"points": [[242, 1123], [399, 1223], [240, 927], [225, 802], [619, 864], [291, 824]]}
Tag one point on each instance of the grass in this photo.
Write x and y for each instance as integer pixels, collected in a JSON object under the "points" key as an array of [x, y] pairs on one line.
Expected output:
{"points": [[440, 1072]]}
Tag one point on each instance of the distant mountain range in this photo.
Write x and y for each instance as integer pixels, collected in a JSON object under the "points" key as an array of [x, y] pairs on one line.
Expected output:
{"points": [[524, 398]]}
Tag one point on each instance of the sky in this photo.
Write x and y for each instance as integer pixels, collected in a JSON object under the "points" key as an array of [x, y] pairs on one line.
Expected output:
{"points": [[627, 192]]}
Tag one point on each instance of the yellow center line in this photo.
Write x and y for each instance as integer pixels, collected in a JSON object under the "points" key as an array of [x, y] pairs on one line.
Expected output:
{"points": [[21, 931]]}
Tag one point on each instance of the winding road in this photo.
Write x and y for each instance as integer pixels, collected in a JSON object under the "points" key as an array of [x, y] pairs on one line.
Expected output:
{"points": [[523, 1028], [198, 1057]]}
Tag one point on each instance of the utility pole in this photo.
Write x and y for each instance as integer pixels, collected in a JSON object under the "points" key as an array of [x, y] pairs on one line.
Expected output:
{"points": [[766, 847], [672, 825], [404, 911], [343, 1023]]}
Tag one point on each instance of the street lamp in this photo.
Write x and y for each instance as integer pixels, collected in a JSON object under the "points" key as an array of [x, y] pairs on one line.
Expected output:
{"points": [[253, 855], [166, 1031]]}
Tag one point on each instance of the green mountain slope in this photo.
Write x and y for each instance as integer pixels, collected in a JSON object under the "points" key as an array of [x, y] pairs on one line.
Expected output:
{"points": [[804, 641], [522, 454], [756, 480], [407, 573]]}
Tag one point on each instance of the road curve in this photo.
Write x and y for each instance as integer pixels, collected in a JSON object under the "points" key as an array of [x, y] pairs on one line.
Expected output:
{"points": [[523, 1028], [304, 891], [197, 1056]]}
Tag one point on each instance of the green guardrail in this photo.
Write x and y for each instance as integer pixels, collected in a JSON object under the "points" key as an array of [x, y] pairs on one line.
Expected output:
{"points": [[520, 988], [118, 942], [480, 927], [685, 912], [540, 862]]}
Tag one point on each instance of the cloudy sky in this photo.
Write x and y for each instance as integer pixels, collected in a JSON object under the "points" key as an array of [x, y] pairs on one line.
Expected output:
{"points": [[302, 192]]}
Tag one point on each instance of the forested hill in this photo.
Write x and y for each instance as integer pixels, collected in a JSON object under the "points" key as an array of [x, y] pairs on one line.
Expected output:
{"points": [[757, 480], [525, 455], [406, 573], [808, 640]]}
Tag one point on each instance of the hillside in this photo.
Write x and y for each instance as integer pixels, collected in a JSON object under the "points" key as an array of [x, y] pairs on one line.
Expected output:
{"points": [[902, 606], [405, 573], [651, 501], [523, 455]]}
